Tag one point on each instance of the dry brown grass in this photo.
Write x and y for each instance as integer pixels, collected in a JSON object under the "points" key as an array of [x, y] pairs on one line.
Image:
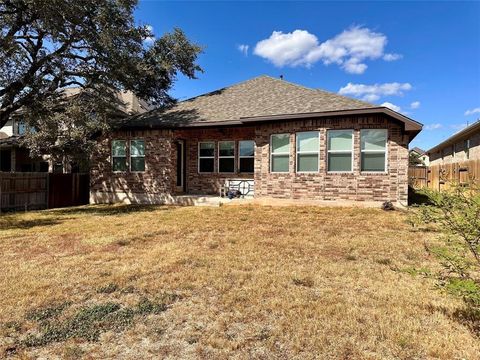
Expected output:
{"points": [[247, 282]]}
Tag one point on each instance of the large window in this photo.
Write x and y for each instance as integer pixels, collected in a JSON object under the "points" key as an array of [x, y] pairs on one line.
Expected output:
{"points": [[280, 153], [340, 150], [206, 157], [137, 155], [308, 148], [119, 155], [246, 156], [373, 149], [226, 156]]}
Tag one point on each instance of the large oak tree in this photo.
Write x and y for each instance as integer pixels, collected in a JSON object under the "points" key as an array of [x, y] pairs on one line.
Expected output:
{"points": [[47, 46]]}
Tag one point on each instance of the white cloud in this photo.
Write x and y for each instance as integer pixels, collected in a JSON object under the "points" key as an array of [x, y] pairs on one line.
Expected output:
{"points": [[392, 57], [415, 105], [375, 91], [392, 106], [433, 126], [472, 111], [243, 49], [149, 39], [348, 49]]}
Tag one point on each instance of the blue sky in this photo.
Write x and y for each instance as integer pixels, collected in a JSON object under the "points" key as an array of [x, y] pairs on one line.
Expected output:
{"points": [[423, 57]]}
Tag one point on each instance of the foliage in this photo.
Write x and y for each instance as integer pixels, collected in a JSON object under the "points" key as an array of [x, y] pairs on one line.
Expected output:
{"points": [[48, 46], [456, 212], [414, 159]]}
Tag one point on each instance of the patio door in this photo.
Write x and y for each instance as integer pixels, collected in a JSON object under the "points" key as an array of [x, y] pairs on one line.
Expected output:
{"points": [[181, 171]]}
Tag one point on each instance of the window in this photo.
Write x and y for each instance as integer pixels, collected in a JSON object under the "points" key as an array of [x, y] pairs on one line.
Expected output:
{"points": [[246, 158], [467, 148], [206, 157], [226, 156], [119, 155], [374, 149], [137, 155], [340, 150], [280, 153], [308, 147]]}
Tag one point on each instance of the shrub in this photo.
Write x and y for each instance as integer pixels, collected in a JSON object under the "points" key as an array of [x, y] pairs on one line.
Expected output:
{"points": [[456, 212]]}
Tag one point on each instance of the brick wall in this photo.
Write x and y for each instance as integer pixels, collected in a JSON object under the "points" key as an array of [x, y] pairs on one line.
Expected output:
{"points": [[159, 179], [355, 186]]}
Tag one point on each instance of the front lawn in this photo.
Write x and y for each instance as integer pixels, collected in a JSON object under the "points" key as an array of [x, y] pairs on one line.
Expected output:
{"points": [[250, 282]]}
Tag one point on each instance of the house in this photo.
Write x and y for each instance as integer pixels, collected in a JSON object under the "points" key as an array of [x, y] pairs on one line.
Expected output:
{"points": [[421, 155], [462, 146], [16, 158], [282, 140]]}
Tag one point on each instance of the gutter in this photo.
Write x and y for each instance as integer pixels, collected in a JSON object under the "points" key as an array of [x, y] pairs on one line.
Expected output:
{"points": [[455, 137]]}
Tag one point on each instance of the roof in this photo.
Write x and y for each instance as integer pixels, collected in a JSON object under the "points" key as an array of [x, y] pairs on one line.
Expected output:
{"points": [[10, 141], [418, 150], [263, 98], [468, 131]]}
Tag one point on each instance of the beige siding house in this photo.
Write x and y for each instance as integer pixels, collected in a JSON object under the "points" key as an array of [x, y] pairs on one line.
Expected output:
{"points": [[270, 138], [462, 146]]}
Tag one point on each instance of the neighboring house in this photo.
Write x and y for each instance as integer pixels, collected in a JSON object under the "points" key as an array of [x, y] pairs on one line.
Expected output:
{"points": [[15, 158], [288, 141], [421, 155], [462, 146]]}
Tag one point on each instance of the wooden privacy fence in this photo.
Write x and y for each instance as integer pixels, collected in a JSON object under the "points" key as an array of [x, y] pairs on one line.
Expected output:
{"points": [[440, 177], [32, 191]]}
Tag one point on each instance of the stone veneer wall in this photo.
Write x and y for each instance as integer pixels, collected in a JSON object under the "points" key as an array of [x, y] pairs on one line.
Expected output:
{"points": [[354, 186]]}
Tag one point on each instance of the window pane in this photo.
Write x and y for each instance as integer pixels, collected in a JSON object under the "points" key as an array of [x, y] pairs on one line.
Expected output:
{"points": [[118, 148], [207, 149], [373, 161], [226, 165], [247, 165], [227, 148], [137, 164], [246, 148], [339, 162], [281, 143], [137, 148], [206, 165], [340, 139], [307, 162], [280, 163], [307, 141], [119, 164], [373, 139]]}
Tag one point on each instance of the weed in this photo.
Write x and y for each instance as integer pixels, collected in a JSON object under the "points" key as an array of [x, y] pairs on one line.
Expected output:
{"points": [[107, 289], [45, 313], [307, 281]]}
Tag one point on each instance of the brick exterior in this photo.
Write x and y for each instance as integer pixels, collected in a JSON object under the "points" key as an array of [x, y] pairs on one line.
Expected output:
{"points": [[158, 182]]}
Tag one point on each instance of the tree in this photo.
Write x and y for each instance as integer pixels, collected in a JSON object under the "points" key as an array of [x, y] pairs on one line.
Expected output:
{"points": [[414, 159], [47, 46]]}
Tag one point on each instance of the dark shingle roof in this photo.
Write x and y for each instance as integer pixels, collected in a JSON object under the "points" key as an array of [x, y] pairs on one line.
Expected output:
{"points": [[418, 150], [260, 96]]}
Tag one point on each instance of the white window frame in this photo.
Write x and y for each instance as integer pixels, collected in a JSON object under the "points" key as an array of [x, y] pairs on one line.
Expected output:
{"points": [[341, 151], [227, 157], [206, 157], [137, 156], [385, 171], [298, 152], [246, 157], [113, 156], [282, 153]]}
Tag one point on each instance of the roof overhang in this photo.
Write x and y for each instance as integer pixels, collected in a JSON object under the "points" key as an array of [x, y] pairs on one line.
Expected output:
{"points": [[456, 137], [412, 127]]}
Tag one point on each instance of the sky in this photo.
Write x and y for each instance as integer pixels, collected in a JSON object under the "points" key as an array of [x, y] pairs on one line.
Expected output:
{"points": [[419, 58]]}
